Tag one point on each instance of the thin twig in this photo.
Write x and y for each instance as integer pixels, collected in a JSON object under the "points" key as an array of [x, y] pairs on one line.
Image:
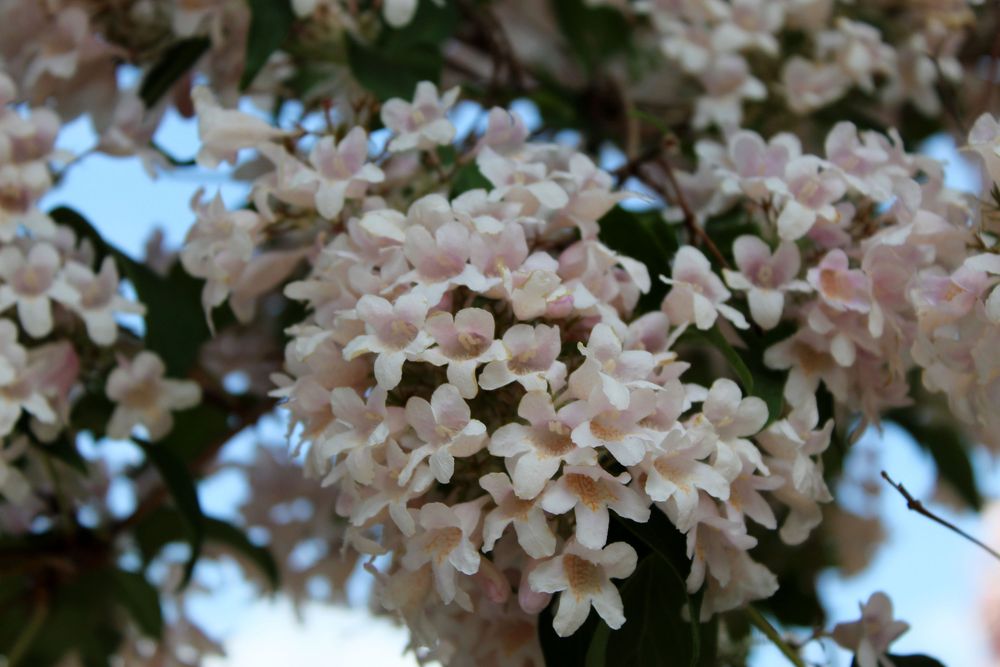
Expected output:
{"points": [[695, 231], [30, 633], [918, 507], [758, 621]]}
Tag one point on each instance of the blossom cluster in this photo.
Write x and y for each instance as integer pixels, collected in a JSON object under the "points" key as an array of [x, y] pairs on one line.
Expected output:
{"points": [[60, 311], [474, 385]]}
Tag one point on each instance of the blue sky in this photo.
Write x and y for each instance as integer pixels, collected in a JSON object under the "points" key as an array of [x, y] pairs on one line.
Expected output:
{"points": [[932, 575]]}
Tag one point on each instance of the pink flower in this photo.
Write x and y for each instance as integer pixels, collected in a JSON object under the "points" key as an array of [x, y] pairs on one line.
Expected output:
{"points": [[590, 491], [583, 576], [360, 426], [223, 132], [870, 636], [534, 453], [464, 341], [395, 334], [765, 277], [812, 193], [676, 474], [533, 531], [840, 287], [528, 183], [421, 124], [621, 432], [144, 397], [445, 543], [697, 295], [342, 171], [99, 299], [609, 369], [32, 282], [446, 428], [441, 260], [532, 360]]}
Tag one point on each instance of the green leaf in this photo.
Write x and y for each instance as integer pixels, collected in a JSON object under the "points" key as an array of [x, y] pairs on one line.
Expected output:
{"points": [[174, 64], [166, 525], [390, 74], [182, 489], [468, 177], [715, 337], [140, 599], [597, 651], [941, 437], [270, 23], [594, 33], [233, 537], [654, 632], [398, 60], [915, 660], [646, 237]]}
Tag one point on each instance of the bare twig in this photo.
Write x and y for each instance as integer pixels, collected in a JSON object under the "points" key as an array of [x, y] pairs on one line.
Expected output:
{"points": [[918, 507], [695, 231], [758, 621]]}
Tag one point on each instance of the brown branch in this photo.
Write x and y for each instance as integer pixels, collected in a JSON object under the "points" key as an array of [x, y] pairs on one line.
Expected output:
{"points": [[696, 233], [916, 506]]}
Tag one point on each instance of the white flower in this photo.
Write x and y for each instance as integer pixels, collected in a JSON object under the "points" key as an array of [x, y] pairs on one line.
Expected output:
{"points": [[610, 370], [145, 398], [676, 474], [223, 132], [422, 124], [342, 171], [734, 418], [464, 341], [395, 334], [765, 277], [532, 360], [444, 543], [446, 429], [590, 491], [99, 299], [534, 453], [527, 516], [697, 295], [32, 282], [870, 636], [583, 576]]}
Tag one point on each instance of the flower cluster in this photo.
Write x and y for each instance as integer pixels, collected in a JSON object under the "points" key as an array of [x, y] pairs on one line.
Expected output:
{"points": [[474, 385]]}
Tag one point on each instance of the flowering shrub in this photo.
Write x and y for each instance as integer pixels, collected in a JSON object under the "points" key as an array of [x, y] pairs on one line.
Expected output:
{"points": [[608, 358]]}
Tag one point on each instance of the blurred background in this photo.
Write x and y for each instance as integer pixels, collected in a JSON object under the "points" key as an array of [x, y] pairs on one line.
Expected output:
{"points": [[942, 585]]}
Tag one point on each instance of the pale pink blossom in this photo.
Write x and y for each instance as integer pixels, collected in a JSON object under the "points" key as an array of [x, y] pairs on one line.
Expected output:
{"points": [[342, 171], [532, 529], [446, 430], [621, 432], [444, 542], [359, 426], [765, 277], [532, 360], [533, 453], [440, 260], [223, 132], [32, 281], [870, 636], [394, 333], [812, 192], [99, 299], [590, 492], [609, 369], [422, 124], [145, 398], [464, 341], [583, 577], [676, 473], [840, 287], [697, 295]]}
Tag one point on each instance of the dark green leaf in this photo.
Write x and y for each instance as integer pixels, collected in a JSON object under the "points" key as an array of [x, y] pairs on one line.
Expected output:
{"points": [[182, 489], [654, 632], [390, 74], [715, 337], [909, 661], [140, 599], [270, 23], [229, 535], [597, 651], [941, 438], [174, 64], [646, 237], [594, 33], [166, 525], [569, 651], [431, 24], [468, 177]]}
